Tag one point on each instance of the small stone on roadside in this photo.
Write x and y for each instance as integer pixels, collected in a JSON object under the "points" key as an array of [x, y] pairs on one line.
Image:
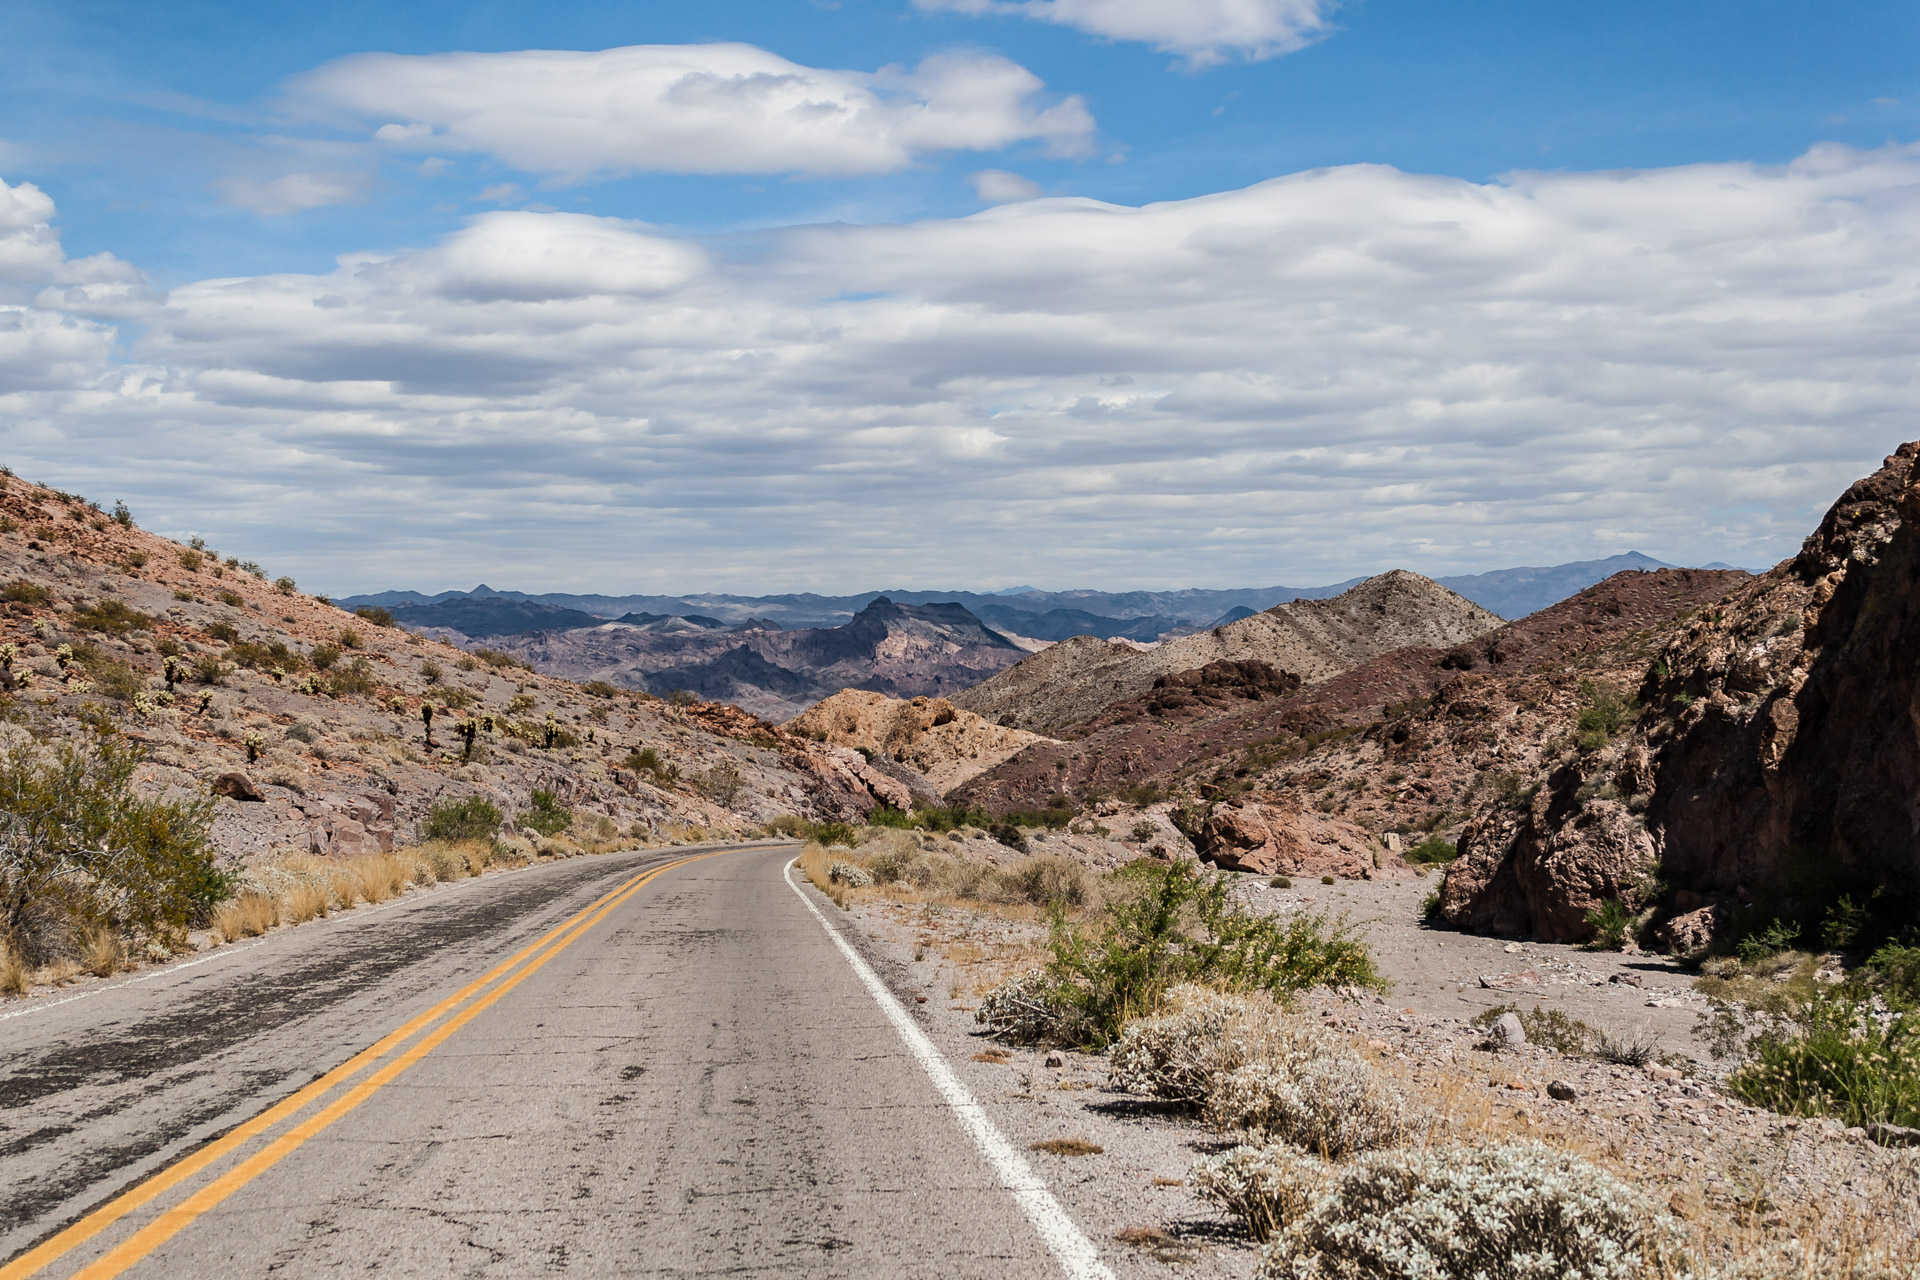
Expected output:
{"points": [[1056, 1060], [1626, 980], [1563, 1091], [1506, 1032]]}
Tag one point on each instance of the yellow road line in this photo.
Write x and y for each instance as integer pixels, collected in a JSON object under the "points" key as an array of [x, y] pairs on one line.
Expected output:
{"points": [[100, 1219]]}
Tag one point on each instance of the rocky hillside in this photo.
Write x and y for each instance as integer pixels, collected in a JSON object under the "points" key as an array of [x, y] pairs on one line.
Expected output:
{"points": [[943, 745], [1769, 768], [898, 650], [1074, 681], [311, 724], [1273, 775]]}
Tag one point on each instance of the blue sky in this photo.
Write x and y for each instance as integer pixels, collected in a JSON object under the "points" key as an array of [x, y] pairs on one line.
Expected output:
{"points": [[377, 438]]}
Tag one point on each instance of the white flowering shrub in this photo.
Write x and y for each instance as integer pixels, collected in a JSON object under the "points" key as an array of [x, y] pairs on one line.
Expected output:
{"points": [[1027, 1008], [1204, 1036], [846, 873], [1515, 1212], [1265, 1187]]}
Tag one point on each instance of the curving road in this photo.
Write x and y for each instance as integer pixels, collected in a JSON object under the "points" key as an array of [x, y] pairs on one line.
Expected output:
{"points": [[665, 1063]]}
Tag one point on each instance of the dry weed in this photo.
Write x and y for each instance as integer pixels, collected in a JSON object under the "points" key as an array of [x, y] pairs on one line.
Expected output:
{"points": [[305, 900], [13, 971], [247, 916], [1067, 1147], [103, 953]]}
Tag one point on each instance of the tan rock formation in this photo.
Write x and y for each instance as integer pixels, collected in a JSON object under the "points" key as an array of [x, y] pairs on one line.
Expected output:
{"points": [[945, 745], [1283, 840]]}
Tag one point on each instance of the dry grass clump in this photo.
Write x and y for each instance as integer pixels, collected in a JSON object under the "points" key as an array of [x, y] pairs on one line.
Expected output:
{"points": [[1249, 1065], [13, 971], [816, 864], [247, 916], [103, 952], [1067, 1147], [910, 866]]}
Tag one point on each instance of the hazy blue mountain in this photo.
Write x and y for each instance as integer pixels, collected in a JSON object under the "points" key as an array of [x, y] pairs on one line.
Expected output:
{"points": [[1515, 593]]}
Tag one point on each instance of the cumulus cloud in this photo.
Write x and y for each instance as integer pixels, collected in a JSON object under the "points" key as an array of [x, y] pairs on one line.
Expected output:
{"points": [[292, 192], [997, 186], [34, 267], [708, 108], [1202, 32], [1326, 374]]}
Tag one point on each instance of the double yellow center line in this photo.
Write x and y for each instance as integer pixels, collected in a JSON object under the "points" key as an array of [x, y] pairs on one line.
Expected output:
{"points": [[521, 965]]}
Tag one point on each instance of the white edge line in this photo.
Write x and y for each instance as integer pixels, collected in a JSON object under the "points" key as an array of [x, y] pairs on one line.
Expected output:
{"points": [[1076, 1254]]}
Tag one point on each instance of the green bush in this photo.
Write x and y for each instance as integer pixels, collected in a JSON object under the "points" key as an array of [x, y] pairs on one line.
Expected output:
{"points": [[1606, 711], [648, 760], [1432, 850], [547, 816], [1771, 940], [1177, 924], [80, 849], [20, 591], [1611, 922], [468, 818], [110, 616], [377, 616], [354, 679]]}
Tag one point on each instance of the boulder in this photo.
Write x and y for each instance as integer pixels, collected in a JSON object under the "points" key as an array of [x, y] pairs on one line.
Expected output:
{"points": [[1269, 839], [238, 786], [1506, 1032]]}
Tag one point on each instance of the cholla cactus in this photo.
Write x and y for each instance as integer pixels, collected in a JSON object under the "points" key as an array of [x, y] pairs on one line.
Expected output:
{"points": [[143, 703], [24, 677], [42, 627], [277, 674], [64, 654], [1521, 1212], [172, 670], [397, 704], [310, 685], [79, 686], [206, 701], [254, 744], [164, 698], [1265, 1187], [8, 652]]}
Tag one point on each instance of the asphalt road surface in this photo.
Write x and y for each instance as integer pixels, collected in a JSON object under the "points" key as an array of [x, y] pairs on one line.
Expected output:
{"points": [[664, 1063]]}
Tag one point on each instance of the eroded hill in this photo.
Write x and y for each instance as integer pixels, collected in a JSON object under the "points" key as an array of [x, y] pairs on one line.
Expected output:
{"points": [[1072, 682]]}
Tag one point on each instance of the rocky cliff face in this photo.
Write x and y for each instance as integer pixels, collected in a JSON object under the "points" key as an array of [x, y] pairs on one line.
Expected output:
{"points": [[1774, 765], [942, 744]]}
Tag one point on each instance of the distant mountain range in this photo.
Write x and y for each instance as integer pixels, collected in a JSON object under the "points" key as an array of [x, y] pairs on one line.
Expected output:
{"points": [[1024, 612]]}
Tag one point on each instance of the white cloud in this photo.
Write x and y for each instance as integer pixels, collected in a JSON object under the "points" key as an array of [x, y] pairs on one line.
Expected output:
{"points": [[1202, 32], [997, 186], [1326, 374], [709, 108], [293, 192]]}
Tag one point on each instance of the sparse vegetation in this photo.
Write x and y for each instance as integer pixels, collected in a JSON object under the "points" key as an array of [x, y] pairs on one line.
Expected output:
{"points": [[467, 818], [1611, 923], [1604, 712], [547, 816], [374, 614], [1432, 850]]}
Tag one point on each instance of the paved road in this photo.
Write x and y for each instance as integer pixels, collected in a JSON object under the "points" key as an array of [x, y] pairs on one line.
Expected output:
{"points": [[503, 1079]]}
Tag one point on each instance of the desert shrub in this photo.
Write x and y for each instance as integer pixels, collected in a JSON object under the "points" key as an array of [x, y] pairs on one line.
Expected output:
{"points": [[110, 616], [495, 658], [263, 655], [722, 784], [122, 516], [20, 591], [356, 679], [208, 669], [349, 638], [284, 585], [446, 862], [1604, 712], [1431, 850], [1762, 943], [1334, 1104], [600, 689], [1520, 1211], [430, 672], [648, 760], [232, 599], [116, 679], [1051, 881], [1611, 922], [888, 816], [1627, 1050], [1173, 924], [547, 816], [1266, 1187], [1848, 1053], [1027, 1008], [323, 655], [467, 818], [682, 698], [190, 561], [377, 616], [849, 874], [14, 975], [1549, 1027], [79, 847], [1204, 1035]]}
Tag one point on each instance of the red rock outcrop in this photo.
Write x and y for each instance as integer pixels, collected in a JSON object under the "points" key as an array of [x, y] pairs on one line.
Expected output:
{"points": [[1776, 763]]}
